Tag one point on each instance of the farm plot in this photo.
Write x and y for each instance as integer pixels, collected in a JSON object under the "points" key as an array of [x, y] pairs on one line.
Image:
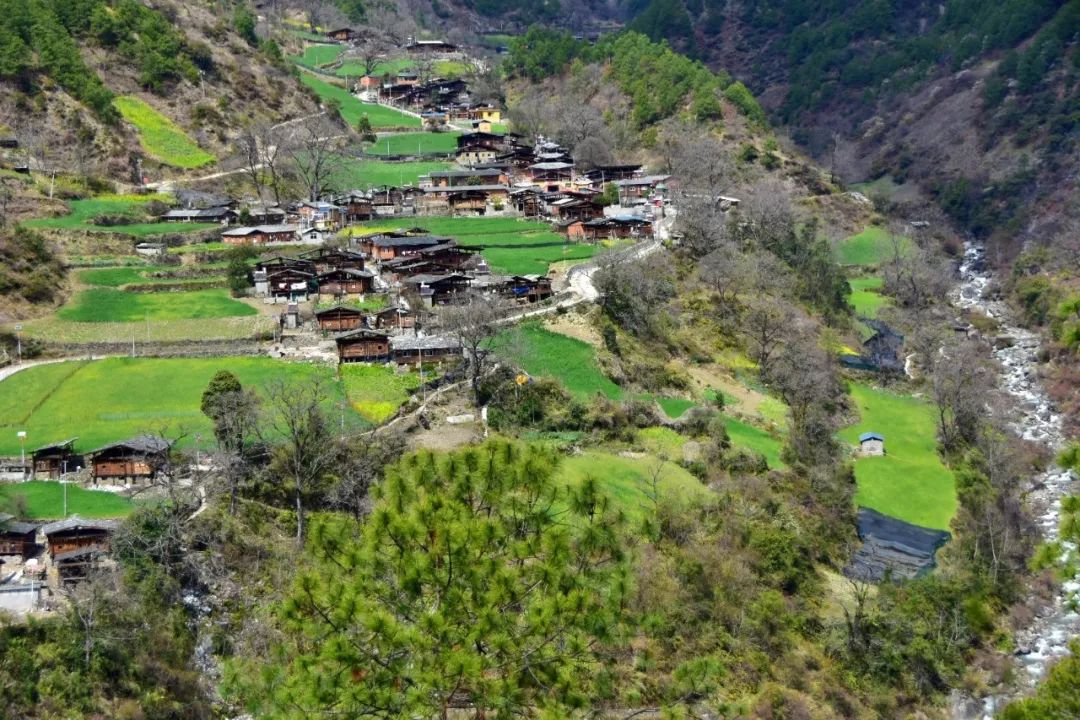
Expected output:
{"points": [[870, 247], [132, 208], [112, 399], [106, 305], [118, 277], [351, 108], [375, 392], [45, 500], [910, 482], [866, 296], [362, 174], [160, 137], [543, 353], [421, 143]]}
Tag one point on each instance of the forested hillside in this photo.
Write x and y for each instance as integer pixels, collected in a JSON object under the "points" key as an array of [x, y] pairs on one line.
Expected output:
{"points": [[974, 103]]}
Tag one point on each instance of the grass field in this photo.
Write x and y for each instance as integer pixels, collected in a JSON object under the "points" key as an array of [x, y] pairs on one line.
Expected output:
{"points": [[55, 330], [351, 108], [160, 137], [116, 277], [866, 296], [509, 245], [375, 392], [112, 399], [749, 437], [675, 407], [420, 143], [627, 480], [317, 55], [870, 247], [83, 213], [909, 482], [45, 500], [543, 353], [104, 305], [363, 174]]}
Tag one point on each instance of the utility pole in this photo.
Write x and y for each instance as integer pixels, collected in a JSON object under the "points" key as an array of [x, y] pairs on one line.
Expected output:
{"points": [[22, 451], [18, 343]]}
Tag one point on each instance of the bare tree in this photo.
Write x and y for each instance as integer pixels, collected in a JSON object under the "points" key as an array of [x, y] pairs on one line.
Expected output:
{"points": [[361, 467], [473, 324], [765, 325], [634, 292], [766, 217], [301, 462], [961, 386], [91, 606], [259, 148], [7, 195], [700, 161], [315, 147], [917, 276], [370, 50]]}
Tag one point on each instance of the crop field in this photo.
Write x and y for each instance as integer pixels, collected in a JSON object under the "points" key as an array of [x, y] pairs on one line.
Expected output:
{"points": [[45, 500], [376, 392], [83, 213], [108, 400], [870, 247], [317, 55], [106, 305], [56, 330], [160, 137], [628, 480], [749, 437], [543, 353], [363, 174], [866, 296], [118, 277], [509, 245], [351, 108], [675, 407], [420, 143], [909, 482]]}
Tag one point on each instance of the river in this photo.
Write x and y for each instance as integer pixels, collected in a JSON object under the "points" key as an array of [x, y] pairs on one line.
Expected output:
{"points": [[1046, 639]]}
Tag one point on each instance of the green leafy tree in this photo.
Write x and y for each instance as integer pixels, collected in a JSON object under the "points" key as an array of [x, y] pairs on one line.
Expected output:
{"points": [[364, 129], [244, 22], [610, 195], [215, 400], [479, 582]]}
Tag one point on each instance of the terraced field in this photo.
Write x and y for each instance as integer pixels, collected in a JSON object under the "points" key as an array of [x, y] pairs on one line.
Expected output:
{"points": [[133, 207], [162, 139]]}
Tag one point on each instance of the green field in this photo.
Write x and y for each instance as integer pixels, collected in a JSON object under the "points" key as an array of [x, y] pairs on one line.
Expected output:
{"points": [[440, 68], [421, 143], [116, 277], [509, 245], [351, 108], [543, 353], [363, 174], [317, 55], [108, 400], [870, 247], [675, 407], [377, 393], [45, 500], [55, 330], [866, 296], [83, 212], [106, 305], [160, 137], [627, 480], [909, 482], [747, 436]]}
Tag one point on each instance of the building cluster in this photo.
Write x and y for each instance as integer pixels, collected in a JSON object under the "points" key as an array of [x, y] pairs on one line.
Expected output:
{"points": [[411, 269]]}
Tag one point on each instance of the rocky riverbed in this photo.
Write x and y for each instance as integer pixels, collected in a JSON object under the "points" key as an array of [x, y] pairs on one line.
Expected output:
{"points": [[1046, 639]]}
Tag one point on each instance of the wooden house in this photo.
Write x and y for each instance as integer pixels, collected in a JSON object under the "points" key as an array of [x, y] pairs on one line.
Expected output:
{"points": [[345, 281], [341, 35], [219, 214], [409, 350], [474, 148], [552, 176], [260, 235], [527, 201], [77, 545], [603, 174], [468, 178], [52, 461], [265, 215], [325, 259], [339, 318], [363, 345], [320, 214], [388, 247], [139, 459], [639, 187], [17, 538], [430, 47], [288, 282], [440, 289], [394, 317], [884, 349], [575, 207], [527, 289], [356, 206], [602, 228]]}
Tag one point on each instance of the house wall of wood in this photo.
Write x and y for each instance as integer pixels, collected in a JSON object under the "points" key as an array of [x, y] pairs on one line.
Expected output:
{"points": [[68, 540], [363, 350], [340, 323], [12, 543], [134, 468]]}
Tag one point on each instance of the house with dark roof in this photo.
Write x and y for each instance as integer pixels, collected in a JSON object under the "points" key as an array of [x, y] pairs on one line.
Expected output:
{"points": [[77, 545], [339, 318], [345, 281], [260, 235], [138, 459], [411, 350], [871, 443], [55, 459], [363, 345], [17, 538]]}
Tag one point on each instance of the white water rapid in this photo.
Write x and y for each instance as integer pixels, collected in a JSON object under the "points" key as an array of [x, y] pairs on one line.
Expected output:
{"points": [[1046, 639]]}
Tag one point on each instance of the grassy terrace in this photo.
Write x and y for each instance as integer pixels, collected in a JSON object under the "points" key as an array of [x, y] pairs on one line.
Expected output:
{"points": [[543, 353], [118, 277], [351, 108], [82, 214], [160, 137], [509, 245], [870, 247], [909, 482], [56, 330], [362, 174], [45, 500], [106, 305], [866, 296], [376, 393], [112, 399], [422, 143]]}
